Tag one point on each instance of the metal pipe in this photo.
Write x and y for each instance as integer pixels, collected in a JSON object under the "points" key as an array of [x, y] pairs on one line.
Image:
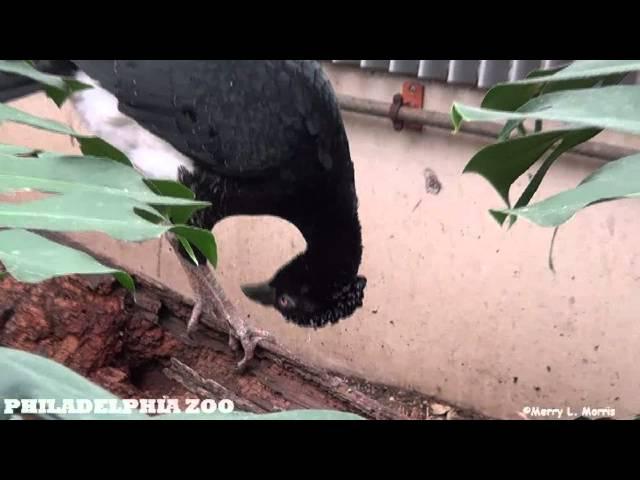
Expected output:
{"points": [[601, 151]]}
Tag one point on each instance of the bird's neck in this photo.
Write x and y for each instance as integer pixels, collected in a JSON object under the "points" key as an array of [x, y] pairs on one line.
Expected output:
{"points": [[334, 243]]}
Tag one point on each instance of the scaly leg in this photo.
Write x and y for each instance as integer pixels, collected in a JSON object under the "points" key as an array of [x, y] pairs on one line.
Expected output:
{"points": [[211, 298]]}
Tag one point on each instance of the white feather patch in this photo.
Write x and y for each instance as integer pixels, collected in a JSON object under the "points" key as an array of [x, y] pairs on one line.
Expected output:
{"points": [[152, 156]]}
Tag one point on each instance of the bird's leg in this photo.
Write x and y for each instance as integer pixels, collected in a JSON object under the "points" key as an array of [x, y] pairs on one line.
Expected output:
{"points": [[239, 331], [210, 298], [195, 316]]}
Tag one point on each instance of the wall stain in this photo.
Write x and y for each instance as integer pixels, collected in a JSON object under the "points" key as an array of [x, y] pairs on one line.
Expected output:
{"points": [[432, 184]]}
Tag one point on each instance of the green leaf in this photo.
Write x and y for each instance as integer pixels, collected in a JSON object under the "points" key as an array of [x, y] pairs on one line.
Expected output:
{"points": [[580, 74], [170, 188], [154, 217], [122, 218], [177, 214], [55, 173], [97, 147], [31, 258], [202, 239], [89, 145], [11, 114], [616, 108], [57, 88], [311, 415], [27, 375], [512, 96], [83, 212], [305, 415], [99, 194], [614, 180], [544, 72], [189, 249], [60, 96], [501, 164], [24, 69], [16, 150], [568, 140], [586, 69]]}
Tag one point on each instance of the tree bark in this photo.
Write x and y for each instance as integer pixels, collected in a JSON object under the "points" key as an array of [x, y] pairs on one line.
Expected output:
{"points": [[138, 349]]}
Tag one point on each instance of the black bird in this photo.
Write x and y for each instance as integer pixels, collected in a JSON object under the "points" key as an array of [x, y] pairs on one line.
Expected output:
{"points": [[253, 138]]}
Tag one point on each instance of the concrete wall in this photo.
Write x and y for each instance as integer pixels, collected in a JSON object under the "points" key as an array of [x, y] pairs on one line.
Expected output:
{"points": [[455, 306]]}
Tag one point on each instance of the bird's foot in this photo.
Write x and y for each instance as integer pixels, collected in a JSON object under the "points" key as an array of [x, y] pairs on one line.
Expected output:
{"points": [[206, 286], [247, 338], [241, 336]]}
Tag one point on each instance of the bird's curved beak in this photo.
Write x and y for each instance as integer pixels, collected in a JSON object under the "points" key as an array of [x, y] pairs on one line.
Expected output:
{"points": [[262, 293]]}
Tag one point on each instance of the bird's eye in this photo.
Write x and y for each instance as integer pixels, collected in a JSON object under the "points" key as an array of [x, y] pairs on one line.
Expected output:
{"points": [[285, 301]]}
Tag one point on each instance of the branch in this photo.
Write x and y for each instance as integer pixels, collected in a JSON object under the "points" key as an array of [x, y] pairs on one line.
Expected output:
{"points": [[171, 311]]}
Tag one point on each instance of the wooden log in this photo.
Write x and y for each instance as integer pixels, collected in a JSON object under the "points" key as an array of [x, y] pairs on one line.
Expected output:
{"points": [[138, 349]]}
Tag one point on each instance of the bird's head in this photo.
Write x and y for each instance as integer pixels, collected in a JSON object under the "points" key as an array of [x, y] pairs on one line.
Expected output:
{"points": [[305, 296]]}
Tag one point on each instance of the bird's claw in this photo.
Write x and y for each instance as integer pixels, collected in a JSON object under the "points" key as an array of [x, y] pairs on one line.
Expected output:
{"points": [[249, 339], [246, 340]]}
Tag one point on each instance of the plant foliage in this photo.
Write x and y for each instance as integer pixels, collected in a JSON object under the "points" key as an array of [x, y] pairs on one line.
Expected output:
{"points": [[585, 98]]}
